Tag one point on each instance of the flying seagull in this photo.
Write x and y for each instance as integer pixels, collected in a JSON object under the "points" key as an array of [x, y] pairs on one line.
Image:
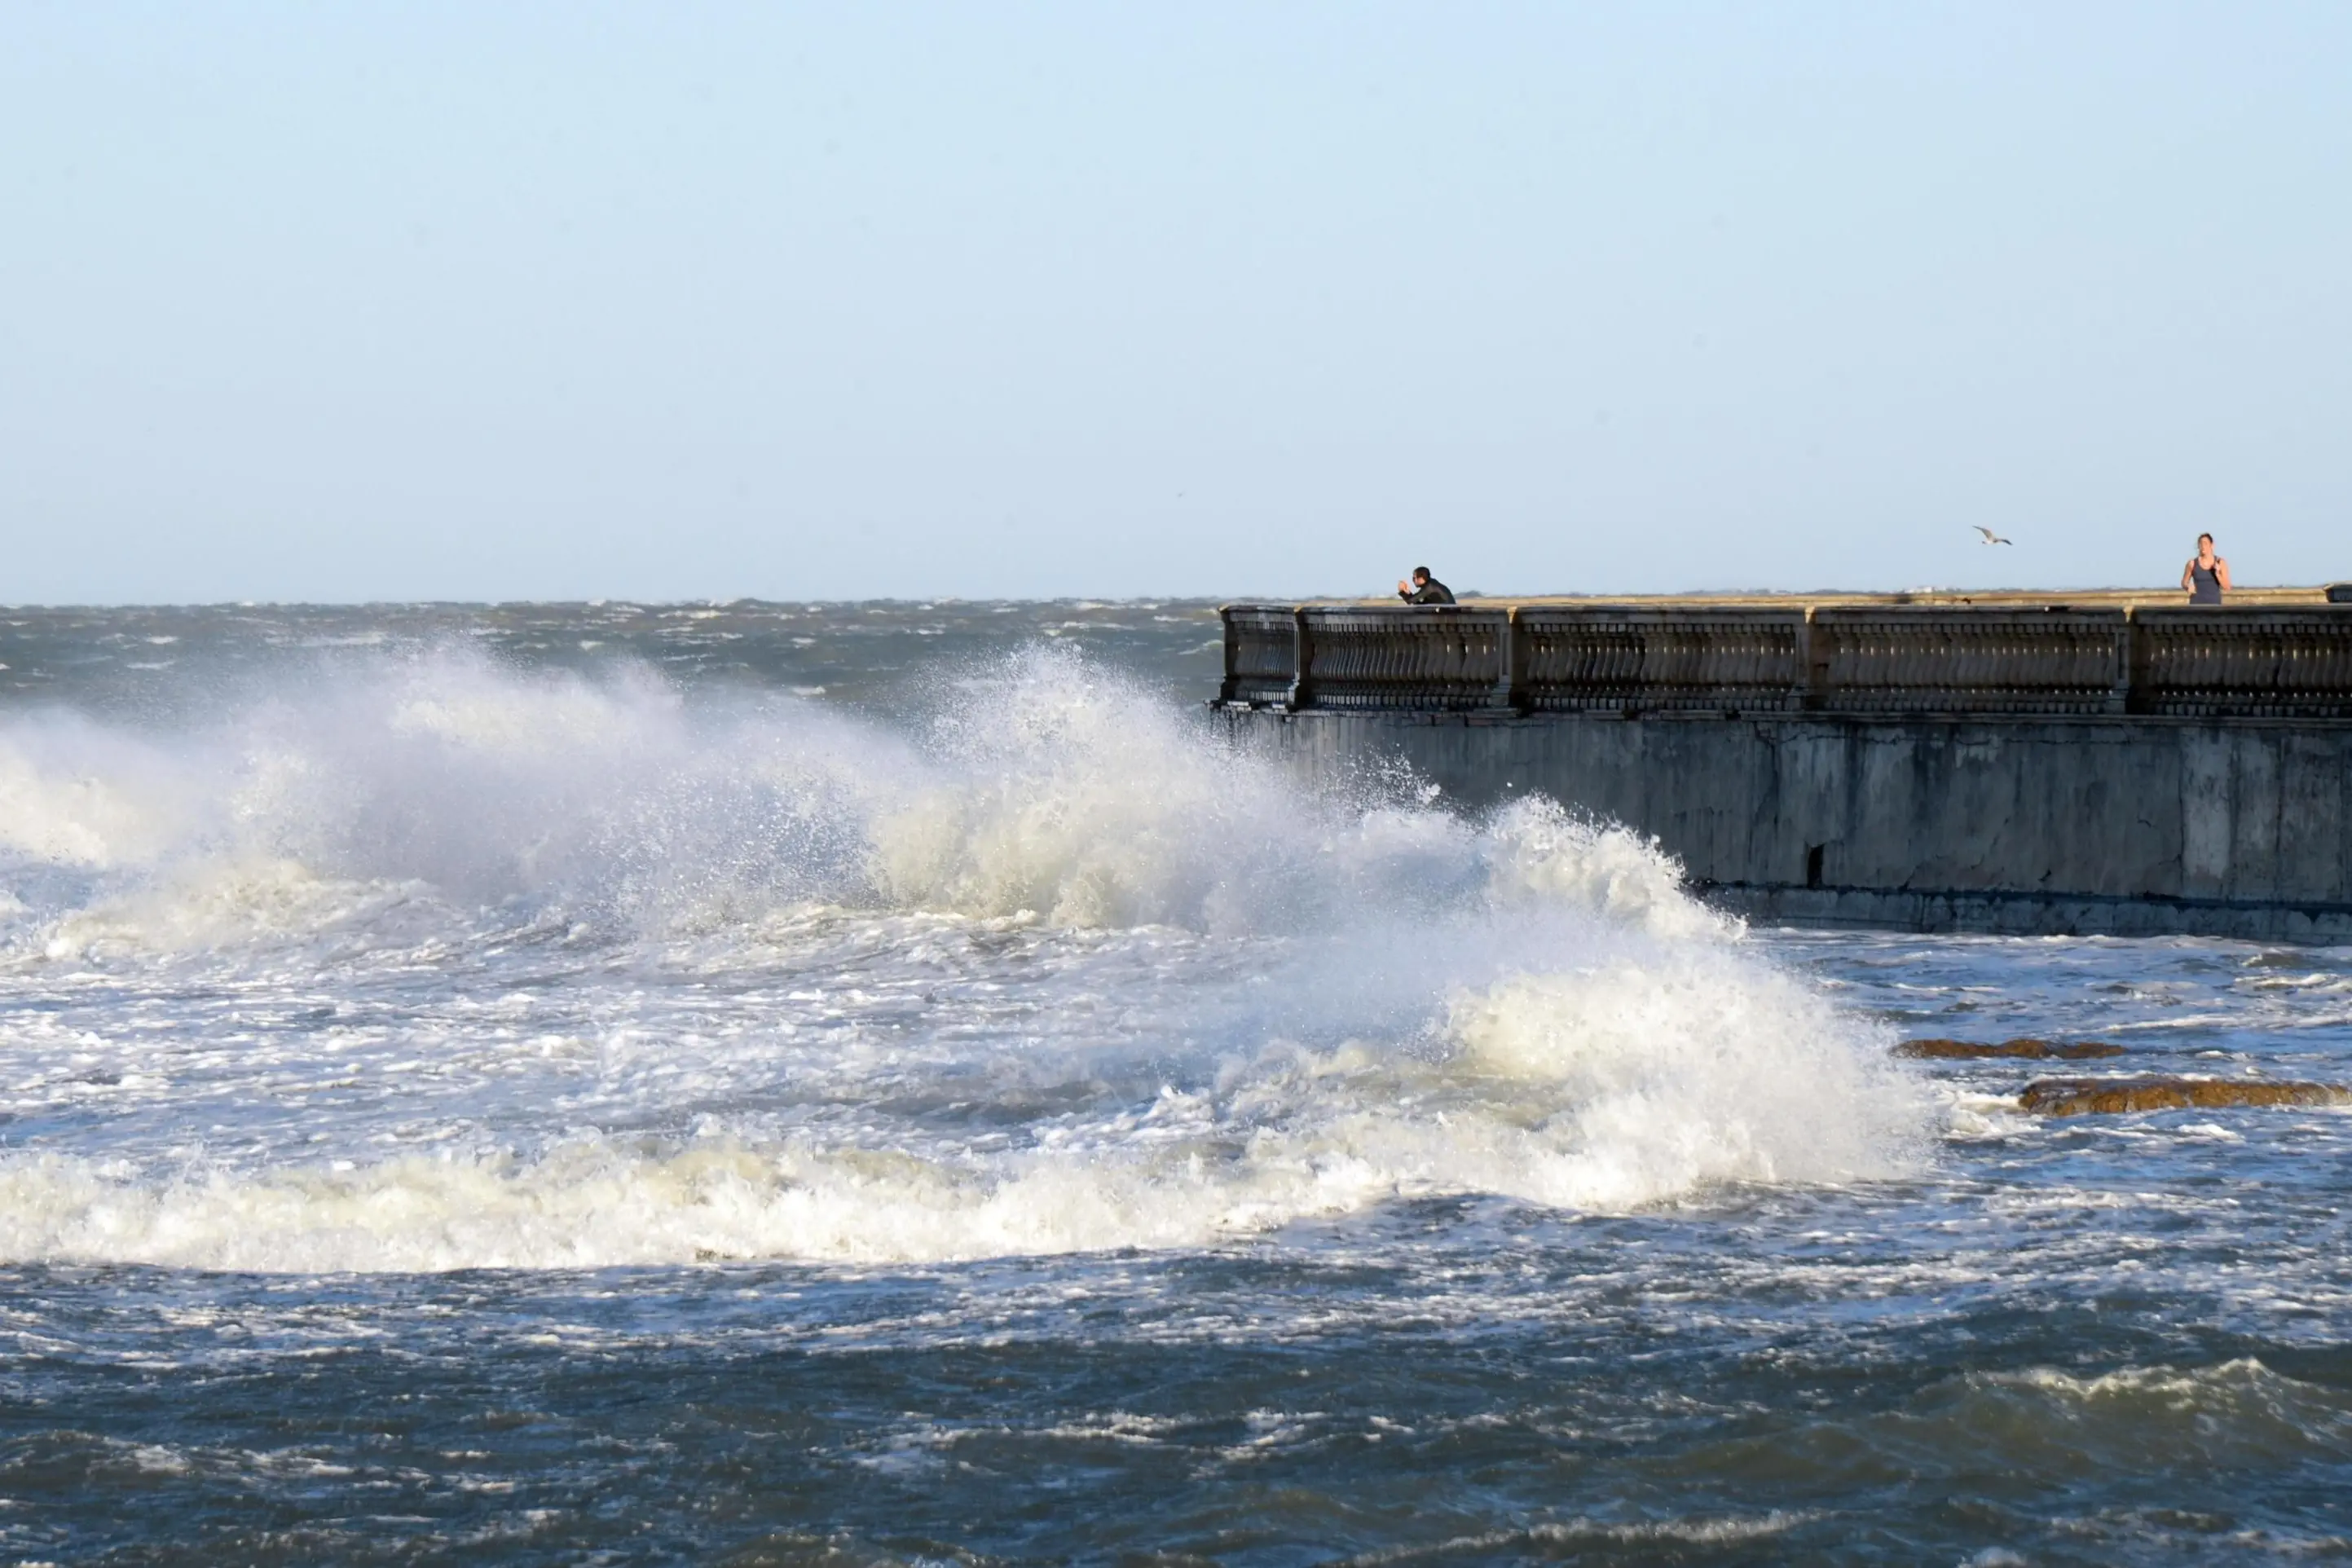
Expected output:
{"points": [[1989, 536]]}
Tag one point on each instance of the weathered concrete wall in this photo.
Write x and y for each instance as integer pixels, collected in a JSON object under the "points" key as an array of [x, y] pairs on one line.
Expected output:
{"points": [[2095, 823]]}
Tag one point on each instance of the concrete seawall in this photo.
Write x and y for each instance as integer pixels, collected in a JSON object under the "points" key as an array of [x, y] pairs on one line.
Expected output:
{"points": [[2090, 767]]}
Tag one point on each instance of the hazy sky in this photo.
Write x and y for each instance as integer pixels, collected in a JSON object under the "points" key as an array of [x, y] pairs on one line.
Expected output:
{"points": [[676, 301]]}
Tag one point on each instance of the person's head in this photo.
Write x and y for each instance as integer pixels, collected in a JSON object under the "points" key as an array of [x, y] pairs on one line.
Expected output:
{"points": [[1420, 576], [2204, 544]]}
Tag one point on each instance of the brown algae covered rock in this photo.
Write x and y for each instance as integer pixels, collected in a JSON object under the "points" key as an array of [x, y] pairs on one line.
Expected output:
{"points": [[2120, 1096], [1974, 1050]]}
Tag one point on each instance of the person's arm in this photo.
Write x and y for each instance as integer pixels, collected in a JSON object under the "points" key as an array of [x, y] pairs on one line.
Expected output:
{"points": [[2187, 578], [1405, 590], [2221, 570]]}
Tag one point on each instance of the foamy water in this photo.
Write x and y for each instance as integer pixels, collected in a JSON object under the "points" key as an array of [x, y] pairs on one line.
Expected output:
{"points": [[968, 1106], [541, 970]]}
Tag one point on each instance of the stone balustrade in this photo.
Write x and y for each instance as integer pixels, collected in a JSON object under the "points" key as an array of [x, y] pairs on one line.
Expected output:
{"points": [[2260, 660]]}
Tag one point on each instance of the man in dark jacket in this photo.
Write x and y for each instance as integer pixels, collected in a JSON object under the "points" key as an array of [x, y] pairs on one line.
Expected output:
{"points": [[1424, 589]]}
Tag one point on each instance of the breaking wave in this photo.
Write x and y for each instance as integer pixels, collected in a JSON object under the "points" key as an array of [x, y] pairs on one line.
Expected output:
{"points": [[1137, 988]]}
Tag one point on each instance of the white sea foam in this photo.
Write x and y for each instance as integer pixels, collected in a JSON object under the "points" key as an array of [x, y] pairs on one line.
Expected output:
{"points": [[1566, 1092], [1180, 1174], [1356, 998], [74, 795], [222, 902]]}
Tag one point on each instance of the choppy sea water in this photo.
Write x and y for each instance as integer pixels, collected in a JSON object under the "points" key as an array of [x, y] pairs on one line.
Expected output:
{"points": [[883, 1083]]}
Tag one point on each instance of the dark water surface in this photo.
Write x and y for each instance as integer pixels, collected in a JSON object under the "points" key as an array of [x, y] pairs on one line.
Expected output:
{"points": [[152, 659], [473, 1096]]}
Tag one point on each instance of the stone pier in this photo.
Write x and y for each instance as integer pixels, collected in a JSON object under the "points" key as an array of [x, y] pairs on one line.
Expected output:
{"points": [[2024, 763]]}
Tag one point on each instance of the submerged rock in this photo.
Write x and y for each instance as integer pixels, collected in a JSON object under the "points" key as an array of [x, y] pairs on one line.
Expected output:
{"points": [[2117, 1096], [2080, 1050]]}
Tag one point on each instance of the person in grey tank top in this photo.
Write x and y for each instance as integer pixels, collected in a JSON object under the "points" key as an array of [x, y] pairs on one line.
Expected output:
{"points": [[2206, 576]]}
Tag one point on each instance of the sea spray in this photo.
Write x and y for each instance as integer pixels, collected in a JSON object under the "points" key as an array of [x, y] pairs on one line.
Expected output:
{"points": [[630, 979]]}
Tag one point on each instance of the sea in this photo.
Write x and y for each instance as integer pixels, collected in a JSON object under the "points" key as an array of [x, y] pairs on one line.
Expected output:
{"points": [[878, 1083]]}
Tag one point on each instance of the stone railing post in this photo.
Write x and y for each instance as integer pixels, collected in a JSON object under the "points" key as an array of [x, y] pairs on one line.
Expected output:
{"points": [[2127, 661], [1228, 687], [1507, 693], [1813, 648], [1301, 689]]}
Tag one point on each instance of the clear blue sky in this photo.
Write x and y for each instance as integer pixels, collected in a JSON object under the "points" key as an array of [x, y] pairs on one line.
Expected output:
{"points": [[699, 300]]}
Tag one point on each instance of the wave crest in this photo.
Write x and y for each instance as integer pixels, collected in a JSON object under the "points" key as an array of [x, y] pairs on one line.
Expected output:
{"points": [[1248, 1002]]}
